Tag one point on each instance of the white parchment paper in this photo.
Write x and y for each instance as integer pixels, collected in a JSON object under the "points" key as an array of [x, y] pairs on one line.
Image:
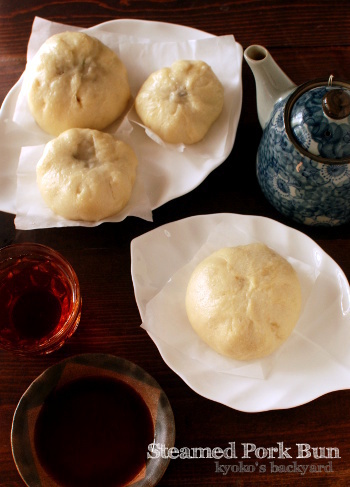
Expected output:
{"points": [[166, 316], [313, 361]]}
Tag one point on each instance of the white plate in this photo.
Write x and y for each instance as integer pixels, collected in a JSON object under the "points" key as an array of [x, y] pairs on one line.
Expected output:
{"points": [[166, 172], [315, 359]]}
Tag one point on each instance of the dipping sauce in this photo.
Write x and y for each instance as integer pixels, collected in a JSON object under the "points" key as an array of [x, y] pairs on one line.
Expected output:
{"points": [[37, 298], [93, 432]]}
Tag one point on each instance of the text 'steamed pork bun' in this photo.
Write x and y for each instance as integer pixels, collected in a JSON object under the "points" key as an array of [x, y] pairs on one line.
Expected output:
{"points": [[74, 80], [244, 301]]}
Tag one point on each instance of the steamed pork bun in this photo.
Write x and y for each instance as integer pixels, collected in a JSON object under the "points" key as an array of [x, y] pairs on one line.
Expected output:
{"points": [[181, 102], [74, 80], [86, 174], [244, 301]]}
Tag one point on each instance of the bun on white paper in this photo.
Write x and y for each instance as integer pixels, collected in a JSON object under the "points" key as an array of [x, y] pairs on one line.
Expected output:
{"points": [[86, 174], [181, 102], [74, 80], [244, 301]]}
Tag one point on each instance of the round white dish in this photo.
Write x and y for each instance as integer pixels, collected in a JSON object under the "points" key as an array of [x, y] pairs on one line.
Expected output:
{"points": [[315, 359], [166, 172]]}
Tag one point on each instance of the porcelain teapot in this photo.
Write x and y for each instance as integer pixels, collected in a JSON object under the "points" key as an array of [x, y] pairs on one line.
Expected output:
{"points": [[303, 159]]}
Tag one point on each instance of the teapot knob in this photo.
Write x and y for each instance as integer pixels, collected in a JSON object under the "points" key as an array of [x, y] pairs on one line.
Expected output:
{"points": [[336, 103]]}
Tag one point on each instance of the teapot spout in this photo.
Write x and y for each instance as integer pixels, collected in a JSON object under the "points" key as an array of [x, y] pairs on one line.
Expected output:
{"points": [[272, 84]]}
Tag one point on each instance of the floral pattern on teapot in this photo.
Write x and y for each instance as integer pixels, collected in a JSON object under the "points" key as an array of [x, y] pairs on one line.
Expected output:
{"points": [[314, 131], [304, 189]]}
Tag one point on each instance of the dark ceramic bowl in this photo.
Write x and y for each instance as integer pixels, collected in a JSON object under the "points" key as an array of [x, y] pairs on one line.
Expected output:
{"points": [[37, 467]]}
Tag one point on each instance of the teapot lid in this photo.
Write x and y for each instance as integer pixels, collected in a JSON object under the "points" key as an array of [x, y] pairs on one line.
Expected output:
{"points": [[318, 120]]}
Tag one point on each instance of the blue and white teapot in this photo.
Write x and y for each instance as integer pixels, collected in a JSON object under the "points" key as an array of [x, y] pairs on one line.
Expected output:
{"points": [[303, 160]]}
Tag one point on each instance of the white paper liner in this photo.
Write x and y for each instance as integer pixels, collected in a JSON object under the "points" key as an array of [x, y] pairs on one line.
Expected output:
{"points": [[315, 359], [165, 314], [165, 171]]}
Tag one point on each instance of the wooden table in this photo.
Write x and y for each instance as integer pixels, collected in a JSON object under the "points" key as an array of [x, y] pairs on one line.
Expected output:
{"points": [[309, 40]]}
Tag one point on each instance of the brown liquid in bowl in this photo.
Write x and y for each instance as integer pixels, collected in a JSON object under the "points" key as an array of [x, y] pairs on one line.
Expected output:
{"points": [[93, 431], [35, 301], [36, 313]]}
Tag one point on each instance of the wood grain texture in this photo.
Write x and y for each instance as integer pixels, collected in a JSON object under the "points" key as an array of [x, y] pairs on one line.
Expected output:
{"points": [[309, 39]]}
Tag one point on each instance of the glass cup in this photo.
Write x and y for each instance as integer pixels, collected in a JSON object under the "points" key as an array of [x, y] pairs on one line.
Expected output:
{"points": [[40, 301]]}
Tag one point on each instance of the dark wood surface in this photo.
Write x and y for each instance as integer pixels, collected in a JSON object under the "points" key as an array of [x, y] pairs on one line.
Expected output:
{"points": [[309, 39]]}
